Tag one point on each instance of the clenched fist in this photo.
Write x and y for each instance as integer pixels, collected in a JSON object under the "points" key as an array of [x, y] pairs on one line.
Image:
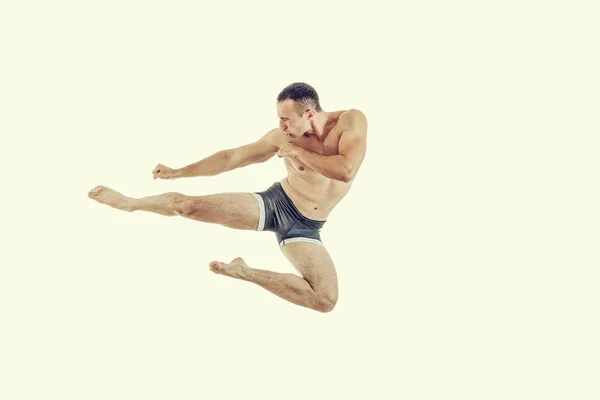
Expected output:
{"points": [[164, 172]]}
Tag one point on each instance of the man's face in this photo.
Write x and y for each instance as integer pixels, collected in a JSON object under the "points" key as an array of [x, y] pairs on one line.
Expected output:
{"points": [[290, 122]]}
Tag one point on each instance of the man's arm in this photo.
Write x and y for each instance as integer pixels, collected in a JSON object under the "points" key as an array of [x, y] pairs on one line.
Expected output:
{"points": [[230, 159], [351, 150]]}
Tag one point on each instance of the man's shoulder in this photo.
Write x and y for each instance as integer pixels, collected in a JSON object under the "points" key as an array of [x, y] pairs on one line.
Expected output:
{"points": [[353, 115], [352, 119]]}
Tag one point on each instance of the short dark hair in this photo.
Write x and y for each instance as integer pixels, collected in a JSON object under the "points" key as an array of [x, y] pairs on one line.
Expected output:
{"points": [[304, 95]]}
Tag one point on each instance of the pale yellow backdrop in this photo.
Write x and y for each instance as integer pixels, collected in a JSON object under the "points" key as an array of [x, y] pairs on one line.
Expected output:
{"points": [[467, 251]]}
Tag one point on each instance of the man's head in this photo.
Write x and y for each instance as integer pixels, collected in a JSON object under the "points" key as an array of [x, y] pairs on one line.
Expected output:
{"points": [[297, 105]]}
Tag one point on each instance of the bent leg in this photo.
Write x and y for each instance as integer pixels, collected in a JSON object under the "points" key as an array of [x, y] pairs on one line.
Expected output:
{"points": [[234, 210], [314, 263], [317, 288]]}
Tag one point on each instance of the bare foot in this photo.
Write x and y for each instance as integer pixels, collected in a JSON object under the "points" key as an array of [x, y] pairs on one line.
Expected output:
{"points": [[110, 197], [234, 269]]}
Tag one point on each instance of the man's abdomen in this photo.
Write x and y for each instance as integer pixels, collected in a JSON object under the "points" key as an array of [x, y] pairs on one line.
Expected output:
{"points": [[314, 195]]}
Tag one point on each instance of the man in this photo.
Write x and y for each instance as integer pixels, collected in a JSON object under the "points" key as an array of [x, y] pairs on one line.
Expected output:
{"points": [[322, 152]]}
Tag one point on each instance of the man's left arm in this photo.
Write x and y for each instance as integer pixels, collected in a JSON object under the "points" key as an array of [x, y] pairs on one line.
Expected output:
{"points": [[351, 151]]}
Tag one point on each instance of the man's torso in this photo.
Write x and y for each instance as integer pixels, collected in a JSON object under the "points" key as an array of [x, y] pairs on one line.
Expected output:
{"points": [[315, 195]]}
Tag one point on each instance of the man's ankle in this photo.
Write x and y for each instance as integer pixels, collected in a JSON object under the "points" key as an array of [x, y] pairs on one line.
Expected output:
{"points": [[246, 273]]}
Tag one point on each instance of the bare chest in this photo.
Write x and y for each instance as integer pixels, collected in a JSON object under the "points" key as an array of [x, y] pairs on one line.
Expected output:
{"points": [[327, 147]]}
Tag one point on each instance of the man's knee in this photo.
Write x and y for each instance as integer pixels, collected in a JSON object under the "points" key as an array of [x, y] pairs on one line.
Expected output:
{"points": [[183, 205], [326, 301]]}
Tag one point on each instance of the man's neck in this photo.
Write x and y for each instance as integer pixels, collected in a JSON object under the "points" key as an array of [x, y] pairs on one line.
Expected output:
{"points": [[319, 125]]}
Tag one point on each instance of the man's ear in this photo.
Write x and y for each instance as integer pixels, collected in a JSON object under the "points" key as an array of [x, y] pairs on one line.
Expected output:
{"points": [[309, 114]]}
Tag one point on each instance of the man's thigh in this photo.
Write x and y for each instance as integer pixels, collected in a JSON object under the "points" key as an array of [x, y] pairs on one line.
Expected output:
{"points": [[234, 210], [314, 263]]}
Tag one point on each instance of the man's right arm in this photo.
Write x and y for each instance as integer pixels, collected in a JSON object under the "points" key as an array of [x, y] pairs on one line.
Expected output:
{"points": [[230, 159]]}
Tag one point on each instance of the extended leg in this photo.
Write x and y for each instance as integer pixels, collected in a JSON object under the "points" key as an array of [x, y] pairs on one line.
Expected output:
{"points": [[234, 210], [316, 289]]}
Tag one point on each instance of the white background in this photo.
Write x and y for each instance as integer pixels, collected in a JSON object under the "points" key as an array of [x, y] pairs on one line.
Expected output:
{"points": [[467, 250]]}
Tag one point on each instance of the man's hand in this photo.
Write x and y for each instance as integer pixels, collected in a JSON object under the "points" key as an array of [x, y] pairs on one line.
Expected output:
{"points": [[164, 172], [287, 149]]}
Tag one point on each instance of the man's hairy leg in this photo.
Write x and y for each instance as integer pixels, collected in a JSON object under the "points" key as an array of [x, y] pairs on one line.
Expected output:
{"points": [[234, 210], [316, 289], [163, 204]]}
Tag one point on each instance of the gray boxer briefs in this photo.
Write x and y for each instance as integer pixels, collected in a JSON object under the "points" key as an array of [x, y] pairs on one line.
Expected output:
{"points": [[279, 214]]}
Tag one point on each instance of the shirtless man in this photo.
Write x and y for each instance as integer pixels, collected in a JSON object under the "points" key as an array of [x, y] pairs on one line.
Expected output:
{"points": [[322, 152]]}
